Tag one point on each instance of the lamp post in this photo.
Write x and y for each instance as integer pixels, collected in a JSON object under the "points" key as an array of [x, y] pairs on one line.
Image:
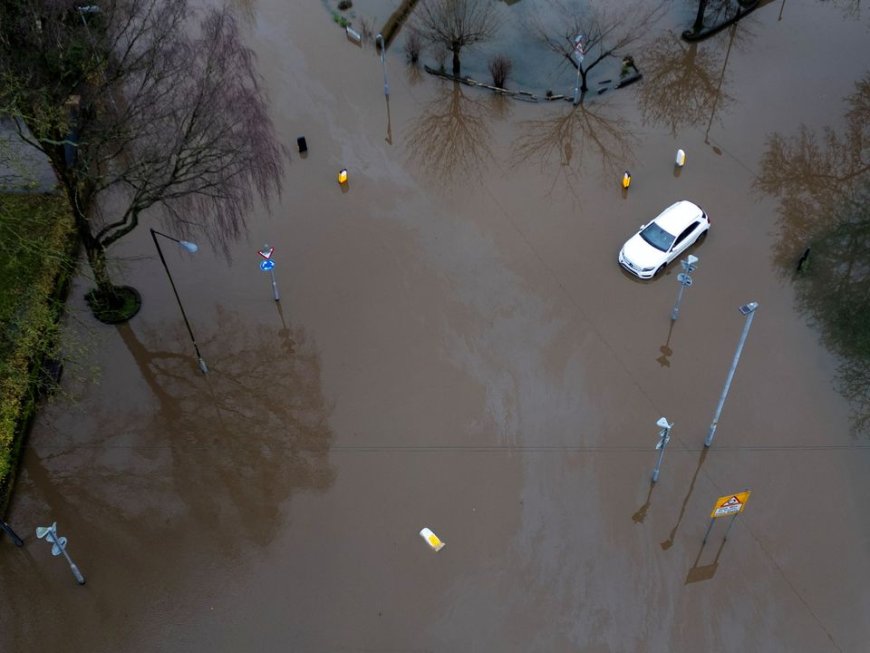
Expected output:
{"points": [[190, 247], [58, 546], [664, 437], [689, 264], [716, 149], [380, 37], [748, 311]]}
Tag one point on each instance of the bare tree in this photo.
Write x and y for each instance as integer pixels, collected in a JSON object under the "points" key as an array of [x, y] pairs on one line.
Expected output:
{"points": [[455, 24], [715, 15], [604, 31], [127, 104]]}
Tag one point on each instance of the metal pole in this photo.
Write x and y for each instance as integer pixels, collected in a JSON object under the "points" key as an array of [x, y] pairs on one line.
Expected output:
{"points": [[380, 38], [154, 234], [60, 542], [730, 524], [675, 313], [749, 311], [578, 50], [6, 528], [709, 528], [577, 86], [274, 285], [664, 438], [58, 547], [685, 279]]}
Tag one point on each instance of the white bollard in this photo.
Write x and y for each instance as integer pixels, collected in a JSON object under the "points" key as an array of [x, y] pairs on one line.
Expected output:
{"points": [[431, 539]]}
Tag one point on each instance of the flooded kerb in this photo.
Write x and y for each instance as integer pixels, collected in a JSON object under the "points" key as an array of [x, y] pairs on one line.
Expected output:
{"points": [[456, 347]]}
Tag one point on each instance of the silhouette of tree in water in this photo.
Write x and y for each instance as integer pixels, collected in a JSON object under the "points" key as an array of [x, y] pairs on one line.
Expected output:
{"points": [[451, 136], [683, 84], [823, 185], [574, 135], [811, 173], [223, 451], [849, 8], [835, 291]]}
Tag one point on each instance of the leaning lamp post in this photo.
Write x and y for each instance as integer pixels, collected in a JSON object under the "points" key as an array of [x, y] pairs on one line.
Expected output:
{"points": [[748, 311], [383, 47], [190, 247]]}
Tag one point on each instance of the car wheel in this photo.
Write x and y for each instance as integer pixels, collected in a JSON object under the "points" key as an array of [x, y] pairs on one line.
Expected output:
{"points": [[661, 269]]}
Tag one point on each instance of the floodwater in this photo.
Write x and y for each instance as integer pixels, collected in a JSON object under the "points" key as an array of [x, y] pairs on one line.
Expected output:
{"points": [[456, 347]]}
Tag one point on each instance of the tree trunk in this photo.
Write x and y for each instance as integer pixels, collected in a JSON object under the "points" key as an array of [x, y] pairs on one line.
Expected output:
{"points": [[456, 61], [699, 19], [96, 253]]}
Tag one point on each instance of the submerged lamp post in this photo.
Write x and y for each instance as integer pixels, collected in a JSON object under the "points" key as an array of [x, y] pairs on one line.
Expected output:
{"points": [[58, 547], [685, 279], [190, 247], [748, 311], [380, 37], [664, 437]]}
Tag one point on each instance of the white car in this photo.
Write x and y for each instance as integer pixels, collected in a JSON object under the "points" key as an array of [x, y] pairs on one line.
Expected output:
{"points": [[658, 243]]}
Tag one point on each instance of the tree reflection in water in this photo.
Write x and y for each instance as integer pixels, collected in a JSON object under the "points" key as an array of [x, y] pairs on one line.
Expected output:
{"points": [[823, 186], [683, 83], [565, 141], [248, 435], [451, 137]]}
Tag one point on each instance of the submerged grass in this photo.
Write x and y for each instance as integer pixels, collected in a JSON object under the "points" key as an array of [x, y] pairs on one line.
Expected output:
{"points": [[36, 260]]}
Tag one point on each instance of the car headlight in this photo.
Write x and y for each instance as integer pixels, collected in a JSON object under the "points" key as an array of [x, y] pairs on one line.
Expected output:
{"points": [[647, 269]]}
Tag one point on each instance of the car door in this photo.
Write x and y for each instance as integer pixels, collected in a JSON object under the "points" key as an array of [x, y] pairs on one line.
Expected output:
{"points": [[688, 236]]}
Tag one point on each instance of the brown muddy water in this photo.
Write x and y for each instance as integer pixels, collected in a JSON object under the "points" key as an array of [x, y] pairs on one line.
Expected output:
{"points": [[456, 347]]}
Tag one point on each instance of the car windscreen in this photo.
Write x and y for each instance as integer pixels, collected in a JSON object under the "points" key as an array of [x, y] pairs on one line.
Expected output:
{"points": [[657, 237]]}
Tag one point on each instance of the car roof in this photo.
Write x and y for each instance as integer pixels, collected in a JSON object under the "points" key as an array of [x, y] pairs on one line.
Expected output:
{"points": [[678, 216]]}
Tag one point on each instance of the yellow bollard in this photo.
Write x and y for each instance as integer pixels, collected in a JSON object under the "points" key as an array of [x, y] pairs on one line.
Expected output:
{"points": [[431, 539], [626, 179], [342, 176]]}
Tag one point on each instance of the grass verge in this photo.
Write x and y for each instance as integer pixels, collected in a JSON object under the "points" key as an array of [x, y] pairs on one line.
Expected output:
{"points": [[37, 254]]}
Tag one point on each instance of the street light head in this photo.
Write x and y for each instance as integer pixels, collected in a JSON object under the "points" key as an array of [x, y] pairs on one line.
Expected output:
{"points": [[692, 259], [663, 423], [746, 309], [190, 247]]}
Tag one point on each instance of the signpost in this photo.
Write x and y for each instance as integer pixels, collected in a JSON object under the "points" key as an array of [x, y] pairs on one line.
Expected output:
{"points": [[58, 547], [268, 265], [685, 278], [664, 437], [578, 53], [728, 505]]}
